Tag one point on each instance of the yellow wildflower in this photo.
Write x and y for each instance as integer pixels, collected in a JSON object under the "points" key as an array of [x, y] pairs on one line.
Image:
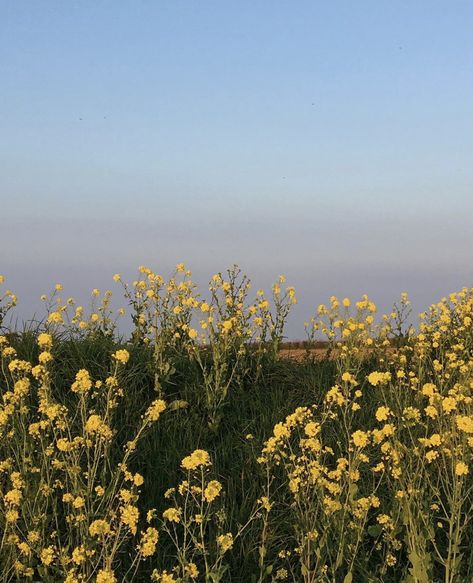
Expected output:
{"points": [[129, 516], [191, 570], [198, 458], [45, 341], [47, 555], [106, 576], [379, 378], [99, 528], [155, 409], [382, 413], [212, 490], [149, 540], [225, 542], [172, 514], [122, 356], [360, 438], [461, 469]]}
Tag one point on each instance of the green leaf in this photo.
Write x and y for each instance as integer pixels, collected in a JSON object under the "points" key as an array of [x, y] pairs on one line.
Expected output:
{"points": [[178, 404], [375, 530], [419, 569], [353, 490]]}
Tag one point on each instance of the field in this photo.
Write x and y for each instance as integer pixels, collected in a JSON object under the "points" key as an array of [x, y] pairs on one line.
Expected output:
{"points": [[202, 448]]}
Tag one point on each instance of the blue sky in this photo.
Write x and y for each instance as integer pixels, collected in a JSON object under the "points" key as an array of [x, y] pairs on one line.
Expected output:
{"points": [[331, 141]]}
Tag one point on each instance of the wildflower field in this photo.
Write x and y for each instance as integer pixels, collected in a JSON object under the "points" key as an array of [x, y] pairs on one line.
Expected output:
{"points": [[191, 451]]}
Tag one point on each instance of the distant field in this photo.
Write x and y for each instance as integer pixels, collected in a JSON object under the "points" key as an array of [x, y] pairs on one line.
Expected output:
{"points": [[205, 448]]}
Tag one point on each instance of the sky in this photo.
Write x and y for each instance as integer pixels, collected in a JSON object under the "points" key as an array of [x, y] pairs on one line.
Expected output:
{"points": [[330, 141]]}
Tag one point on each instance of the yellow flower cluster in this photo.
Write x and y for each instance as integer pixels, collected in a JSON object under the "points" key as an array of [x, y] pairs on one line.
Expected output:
{"points": [[56, 469], [198, 458], [122, 356], [154, 410]]}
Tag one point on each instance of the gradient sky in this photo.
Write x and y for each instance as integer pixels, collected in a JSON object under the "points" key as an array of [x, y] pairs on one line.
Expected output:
{"points": [[331, 141]]}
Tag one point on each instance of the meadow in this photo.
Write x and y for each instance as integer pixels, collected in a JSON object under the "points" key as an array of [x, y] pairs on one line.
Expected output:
{"points": [[193, 450]]}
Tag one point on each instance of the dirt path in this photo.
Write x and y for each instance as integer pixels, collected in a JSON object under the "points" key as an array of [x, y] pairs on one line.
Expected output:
{"points": [[299, 354]]}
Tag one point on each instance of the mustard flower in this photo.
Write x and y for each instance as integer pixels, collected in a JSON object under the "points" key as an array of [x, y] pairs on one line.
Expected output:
{"points": [[465, 423], [45, 341], [212, 490], [461, 469], [149, 541], [191, 570], [379, 378], [197, 459], [79, 555], [47, 555], [106, 576], [99, 528], [360, 438], [155, 409], [172, 514], [382, 413], [129, 517], [122, 356], [95, 425], [225, 542], [82, 383]]}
